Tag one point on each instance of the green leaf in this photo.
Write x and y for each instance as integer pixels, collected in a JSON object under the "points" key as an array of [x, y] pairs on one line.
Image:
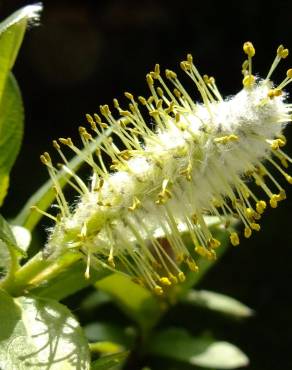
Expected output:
{"points": [[110, 362], [6, 234], [22, 237], [135, 301], [12, 31], [218, 302], [40, 334], [105, 348], [10, 253], [11, 130], [11, 109], [204, 352], [94, 300], [69, 281], [45, 196]]}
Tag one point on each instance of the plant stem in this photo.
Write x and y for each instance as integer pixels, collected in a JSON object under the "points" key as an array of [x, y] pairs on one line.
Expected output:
{"points": [[38, 271]]}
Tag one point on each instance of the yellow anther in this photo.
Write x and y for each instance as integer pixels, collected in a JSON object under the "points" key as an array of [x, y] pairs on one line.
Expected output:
{"points": [[160, 91], [165, 194], [116, 103], [56, 145], [104, 110], [234, 239], [43, 159], [248, 81], [226, 139], [233, 137], [249, 49], [135, 205], [255, 226], [142, 100], [204, 252], [214, 243], [165, 281], [177, 93], [158, 290], [282, 52], [187, 172], [97, 118], [247, 232], [67, 141], [251, 214], [206, 79], [190, 58], [281, 195], [289, 73], [274, 201], [181, 277], [129, 95], [170, 74], [192, 265], [149, 80], [185, 66], [89, 119], [274, 92], [288, 178], [173, 278]]}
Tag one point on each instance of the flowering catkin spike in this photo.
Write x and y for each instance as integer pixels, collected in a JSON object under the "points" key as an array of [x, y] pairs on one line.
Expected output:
{"points": [[199, 160]]}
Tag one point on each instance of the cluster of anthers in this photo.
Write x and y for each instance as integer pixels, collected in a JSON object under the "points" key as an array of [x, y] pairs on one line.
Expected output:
{"points": [[200, 159]]}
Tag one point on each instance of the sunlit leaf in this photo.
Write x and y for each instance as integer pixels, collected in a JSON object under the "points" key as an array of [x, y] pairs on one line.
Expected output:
{"points": [[40, 334]]}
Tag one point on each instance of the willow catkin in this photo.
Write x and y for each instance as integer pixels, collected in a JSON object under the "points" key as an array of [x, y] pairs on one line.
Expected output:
{"points": [[200, 159]]}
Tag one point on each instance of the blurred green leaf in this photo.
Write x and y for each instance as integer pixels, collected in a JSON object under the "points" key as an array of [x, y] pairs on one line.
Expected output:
{"points": [[177, 344], [114, 333], [45, 195], [94, 300], [218, 302], [110, 362], [40, 334], [105, 348], [135, 301]]}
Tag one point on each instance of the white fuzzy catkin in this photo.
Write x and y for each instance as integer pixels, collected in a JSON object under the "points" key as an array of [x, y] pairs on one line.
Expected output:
{"points": [[199, 160]]}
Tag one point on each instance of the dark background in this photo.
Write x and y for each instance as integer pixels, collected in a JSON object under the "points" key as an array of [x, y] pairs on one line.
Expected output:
{"points": [[87, 52]]}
